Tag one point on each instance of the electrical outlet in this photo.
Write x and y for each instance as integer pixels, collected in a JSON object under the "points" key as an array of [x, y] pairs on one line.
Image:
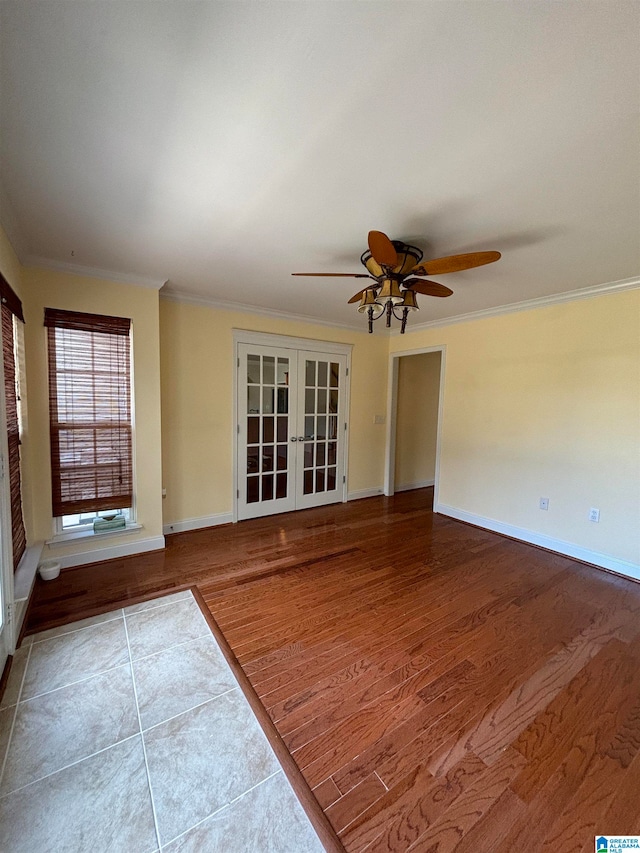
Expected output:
{"points": [[594, 514], [544, 503], [379, 419]]}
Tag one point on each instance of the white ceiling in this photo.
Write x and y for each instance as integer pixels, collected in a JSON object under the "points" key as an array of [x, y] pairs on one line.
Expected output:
{"points": [[224, 145]]}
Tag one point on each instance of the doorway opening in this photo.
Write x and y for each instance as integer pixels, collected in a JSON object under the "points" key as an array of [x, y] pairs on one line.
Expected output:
{"points": [[414, 416]]}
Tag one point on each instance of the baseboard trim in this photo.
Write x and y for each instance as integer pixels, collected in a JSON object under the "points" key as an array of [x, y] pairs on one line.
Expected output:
{"points": [[363, 493], [99, 555], [409, 487], [197, 523], [568, 549]]}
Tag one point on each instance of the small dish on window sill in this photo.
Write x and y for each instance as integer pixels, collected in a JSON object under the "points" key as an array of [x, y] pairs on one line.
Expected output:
{"points": [[109, 517]]}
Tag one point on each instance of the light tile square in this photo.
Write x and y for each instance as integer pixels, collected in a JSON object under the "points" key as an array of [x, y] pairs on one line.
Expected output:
{"points": [[268, 819], [201, 760], [159, 602], [99, 804], [162, 627], [6, 721], [14, 682], [71, 657], [66, 725], [177, 679]]}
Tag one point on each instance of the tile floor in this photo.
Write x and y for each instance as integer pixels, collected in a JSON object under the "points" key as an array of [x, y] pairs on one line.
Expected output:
{"points": [[128, 732]]}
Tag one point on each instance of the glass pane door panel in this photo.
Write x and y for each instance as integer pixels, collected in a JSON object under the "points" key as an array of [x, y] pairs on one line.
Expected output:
{"points": [[264, 447], [320, 408], [268, 370], [253, 369]]}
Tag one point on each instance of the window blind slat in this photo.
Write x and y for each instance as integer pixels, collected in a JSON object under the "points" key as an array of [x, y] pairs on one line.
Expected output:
{"points": [[13, 433], [90, 412]]}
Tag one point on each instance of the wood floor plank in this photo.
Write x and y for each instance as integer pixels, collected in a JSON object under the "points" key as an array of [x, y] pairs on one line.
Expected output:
{"points": [[416, 801], [442, 687], [449, 829], [345, 810]]}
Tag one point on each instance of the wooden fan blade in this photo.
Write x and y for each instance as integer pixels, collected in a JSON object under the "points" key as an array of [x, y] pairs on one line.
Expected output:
{"points": [[429, 288], [382, 249], [358, 296], [455, 263], [335, 274]]}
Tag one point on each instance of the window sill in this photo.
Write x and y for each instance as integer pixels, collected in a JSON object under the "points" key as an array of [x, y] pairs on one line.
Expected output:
{"points": [[26, 572], [75, 535]]}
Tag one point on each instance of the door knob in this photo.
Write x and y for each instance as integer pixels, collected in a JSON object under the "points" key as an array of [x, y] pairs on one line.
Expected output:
{"points": [[293, 438]]}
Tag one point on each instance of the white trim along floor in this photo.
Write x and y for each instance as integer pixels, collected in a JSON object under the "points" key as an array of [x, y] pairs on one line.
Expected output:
{"points": [[128, 732]]}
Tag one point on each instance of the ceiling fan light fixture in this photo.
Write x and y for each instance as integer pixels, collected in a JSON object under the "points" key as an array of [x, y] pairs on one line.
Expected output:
{"points": [[389, 292], [410, 301], [368, 301], [391, 263], [408, 257]]}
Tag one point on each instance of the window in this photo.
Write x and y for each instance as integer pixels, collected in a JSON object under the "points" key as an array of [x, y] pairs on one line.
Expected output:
{"points": [[12, 317], [90, 414]]}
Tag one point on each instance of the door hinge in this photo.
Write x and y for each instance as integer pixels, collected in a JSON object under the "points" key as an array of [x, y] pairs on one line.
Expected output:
{"points": [[237, 493], [347, 372], [344, 478], [238, 362], [238, 429], [345, 424], [11, 610], [1, 466]]}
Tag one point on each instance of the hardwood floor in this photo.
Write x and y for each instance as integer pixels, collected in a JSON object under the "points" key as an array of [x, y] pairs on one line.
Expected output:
{"points": [[440, 687]]}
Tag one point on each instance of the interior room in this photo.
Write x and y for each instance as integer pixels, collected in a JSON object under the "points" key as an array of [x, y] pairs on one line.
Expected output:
{"points": [[320, 411]]}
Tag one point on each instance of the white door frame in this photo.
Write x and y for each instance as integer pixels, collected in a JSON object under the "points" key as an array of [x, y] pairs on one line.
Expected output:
{"points": [[392, 414], [246, 336]]}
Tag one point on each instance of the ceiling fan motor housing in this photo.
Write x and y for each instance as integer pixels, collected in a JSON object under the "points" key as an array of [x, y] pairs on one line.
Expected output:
{"points": [[408, 257]]}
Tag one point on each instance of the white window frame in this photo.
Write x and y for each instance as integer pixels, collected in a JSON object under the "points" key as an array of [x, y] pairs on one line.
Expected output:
{"points": [[79, 531]]}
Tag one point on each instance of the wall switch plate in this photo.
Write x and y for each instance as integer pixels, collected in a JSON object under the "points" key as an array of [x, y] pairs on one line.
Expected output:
{"points": [[594, 514], [379, 419], [544, 503]]}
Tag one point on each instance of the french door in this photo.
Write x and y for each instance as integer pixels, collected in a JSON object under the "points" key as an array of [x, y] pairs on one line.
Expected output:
{"points": [[291, 429]]}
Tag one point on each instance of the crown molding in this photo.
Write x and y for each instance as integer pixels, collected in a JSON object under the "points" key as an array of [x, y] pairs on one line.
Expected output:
{"points": [[94, 272], [223, 305], [529, 304]]}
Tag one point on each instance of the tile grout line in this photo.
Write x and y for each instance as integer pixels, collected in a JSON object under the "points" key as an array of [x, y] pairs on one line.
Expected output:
{"points": [[227, 805], [167, 648], [71, 764], [188, 710], [78, 681], [144, 748], [35, 642], [156, 606], [15, 714]]}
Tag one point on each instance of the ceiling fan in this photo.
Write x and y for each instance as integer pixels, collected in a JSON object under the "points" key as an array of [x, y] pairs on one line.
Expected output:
{"points": [[391, 265]]}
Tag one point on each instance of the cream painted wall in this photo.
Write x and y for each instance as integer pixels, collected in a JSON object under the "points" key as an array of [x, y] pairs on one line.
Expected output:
{"points": [[545, 403], [417, 418], [42, 288], [196, 344]]}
